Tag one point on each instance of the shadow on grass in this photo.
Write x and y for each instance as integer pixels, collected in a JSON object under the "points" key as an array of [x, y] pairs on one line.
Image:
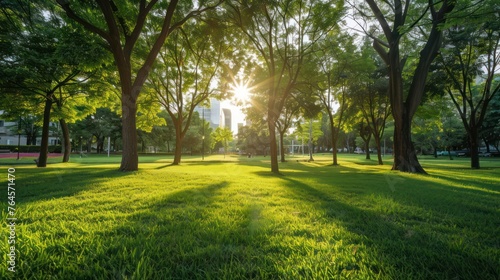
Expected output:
{"points": [[407, 235], [490, 182], [309, 169], [210, 162], [166, 166], [199, 232], [41, 184], [188, 234]]}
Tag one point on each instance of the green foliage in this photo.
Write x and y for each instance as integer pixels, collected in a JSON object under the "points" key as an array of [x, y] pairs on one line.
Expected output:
{"points": [[198, 136], [471, 63], [253, 139], [222, 135], [302, 133], [491, 126], [437, 126], [97, 127], [29, 148]]}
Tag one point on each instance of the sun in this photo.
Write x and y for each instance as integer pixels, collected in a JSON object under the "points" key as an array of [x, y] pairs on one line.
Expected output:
{"points": [[241, 91]]}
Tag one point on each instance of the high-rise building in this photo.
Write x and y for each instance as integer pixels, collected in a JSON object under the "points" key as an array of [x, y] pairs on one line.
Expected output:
{"points": [[216, 115], [226, 119], [210, 114]]}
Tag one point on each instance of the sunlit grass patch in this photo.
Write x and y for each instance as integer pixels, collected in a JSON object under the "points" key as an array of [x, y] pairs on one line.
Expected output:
{"points": [[232, 219]]}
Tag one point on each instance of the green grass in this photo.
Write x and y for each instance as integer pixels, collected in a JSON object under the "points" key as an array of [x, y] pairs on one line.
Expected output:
{"points": [[231, 219]]}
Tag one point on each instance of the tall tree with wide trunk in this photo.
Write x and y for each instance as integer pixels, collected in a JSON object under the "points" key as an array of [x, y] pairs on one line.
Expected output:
{"points": [[121, 25], [283, 33], [397, 21]]}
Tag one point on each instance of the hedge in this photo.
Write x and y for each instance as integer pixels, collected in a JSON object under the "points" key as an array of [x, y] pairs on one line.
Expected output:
{"points": [[30, 149]]}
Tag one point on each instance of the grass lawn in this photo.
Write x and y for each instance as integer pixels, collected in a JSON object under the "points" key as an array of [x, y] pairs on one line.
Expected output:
{"points": [[231, 219]]}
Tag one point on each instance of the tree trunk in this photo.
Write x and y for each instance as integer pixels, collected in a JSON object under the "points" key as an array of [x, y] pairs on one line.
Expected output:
{"points": [[405, 158], [130, 157], [273, 148], [310, 141], [367, 148], [89, 144], [97, 146], [379, 148], [44, 148], [334, 139], [178, 142], [282, 148], [487, 143], [101, 144], [66, 141], [474, 147]]}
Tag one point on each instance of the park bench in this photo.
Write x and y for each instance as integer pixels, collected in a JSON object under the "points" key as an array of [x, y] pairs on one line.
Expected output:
{"points": [[4, 151]]}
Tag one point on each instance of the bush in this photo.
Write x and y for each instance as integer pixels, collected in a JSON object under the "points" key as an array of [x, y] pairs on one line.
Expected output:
{"points": [[30, 149]]}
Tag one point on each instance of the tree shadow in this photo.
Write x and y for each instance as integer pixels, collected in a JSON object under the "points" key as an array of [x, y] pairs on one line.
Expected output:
{"points": [[490, 184], [399, 236], [166, 166], [51, 183], [188, 234], [294, 169]]}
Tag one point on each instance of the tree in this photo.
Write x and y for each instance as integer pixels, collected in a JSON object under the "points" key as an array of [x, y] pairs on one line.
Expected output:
{"points": [[365, 133], [338, 61], [285, 121], [310, 130], [397, 21], [471, 60], [283, 34], [370, 97], [96, 127], [253, 139], [491, 125], [161, 136], [198, 135], [437, 125], [47, 63], [121, 25], [224, 136], [182, 79]]}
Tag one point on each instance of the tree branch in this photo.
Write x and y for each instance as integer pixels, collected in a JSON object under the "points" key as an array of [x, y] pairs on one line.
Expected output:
{"points": [[87, 25], [381, 19]]}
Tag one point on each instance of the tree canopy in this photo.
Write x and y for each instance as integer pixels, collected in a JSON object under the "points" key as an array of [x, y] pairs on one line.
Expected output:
{"points": [[156, 63]]}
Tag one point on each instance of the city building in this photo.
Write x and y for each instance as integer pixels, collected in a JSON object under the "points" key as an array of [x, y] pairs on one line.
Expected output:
{"points": [[226, 119], [10, 134], [216, 115], [210, 114]]}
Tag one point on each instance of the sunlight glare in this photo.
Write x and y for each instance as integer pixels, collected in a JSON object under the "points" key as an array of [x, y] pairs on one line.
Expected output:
{"points": [[241, 91]]}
